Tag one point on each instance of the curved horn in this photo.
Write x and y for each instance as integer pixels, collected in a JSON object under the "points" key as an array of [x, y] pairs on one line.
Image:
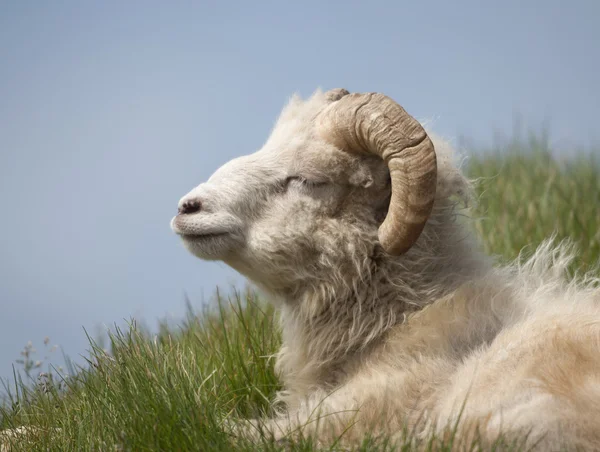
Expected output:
{"points": [[376, 124], [336, 94]]}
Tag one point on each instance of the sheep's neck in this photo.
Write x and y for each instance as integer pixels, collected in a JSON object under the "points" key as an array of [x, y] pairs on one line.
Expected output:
{"points": [[323, 332], [326, 326]]}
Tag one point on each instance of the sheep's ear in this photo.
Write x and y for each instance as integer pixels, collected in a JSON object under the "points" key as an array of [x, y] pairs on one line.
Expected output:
{"points": [[362, 178]]}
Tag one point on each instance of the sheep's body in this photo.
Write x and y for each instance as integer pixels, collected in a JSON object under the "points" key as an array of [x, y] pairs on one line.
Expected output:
{"points": [[378, 344], [514, 352]]}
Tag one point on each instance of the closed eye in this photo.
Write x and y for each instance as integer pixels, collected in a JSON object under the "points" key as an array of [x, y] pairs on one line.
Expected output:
{"points": [[304, 182], [298, 183]]}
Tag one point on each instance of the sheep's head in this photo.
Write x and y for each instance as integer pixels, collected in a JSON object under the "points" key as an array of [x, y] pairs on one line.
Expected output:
{"points": [[340, 176]]}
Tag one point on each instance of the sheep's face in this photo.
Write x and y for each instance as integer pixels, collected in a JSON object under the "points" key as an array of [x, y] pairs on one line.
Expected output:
{"points": [[285, 212]]}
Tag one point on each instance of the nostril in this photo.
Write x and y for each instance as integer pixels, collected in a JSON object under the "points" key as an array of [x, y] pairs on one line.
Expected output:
{"points": [[191, 206]]}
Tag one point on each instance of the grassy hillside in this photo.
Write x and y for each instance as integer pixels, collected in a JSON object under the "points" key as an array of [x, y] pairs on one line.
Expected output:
{"points": [[172, 390]]}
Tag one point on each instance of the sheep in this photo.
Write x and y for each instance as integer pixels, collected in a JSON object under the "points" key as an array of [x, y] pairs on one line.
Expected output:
{"points": [[349, 218]]}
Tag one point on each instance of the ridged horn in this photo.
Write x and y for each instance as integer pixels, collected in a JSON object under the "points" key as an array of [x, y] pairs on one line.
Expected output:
{"points": [[376, 124]]}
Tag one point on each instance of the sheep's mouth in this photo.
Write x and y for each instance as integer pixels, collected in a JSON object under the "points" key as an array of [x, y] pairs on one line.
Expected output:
{"points": [[211, 239], [192, 237], [210, 245], [190, 231]]}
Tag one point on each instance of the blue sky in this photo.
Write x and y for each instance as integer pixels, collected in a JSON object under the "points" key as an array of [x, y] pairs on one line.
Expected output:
{"points": [[111, 111]]}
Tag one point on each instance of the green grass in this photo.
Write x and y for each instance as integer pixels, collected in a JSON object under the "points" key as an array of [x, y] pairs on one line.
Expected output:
{"points": [[525, 195], [172, 390]]}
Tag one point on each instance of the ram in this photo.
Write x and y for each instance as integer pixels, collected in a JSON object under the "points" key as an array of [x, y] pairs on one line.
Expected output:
{"points": [[393, 320]]}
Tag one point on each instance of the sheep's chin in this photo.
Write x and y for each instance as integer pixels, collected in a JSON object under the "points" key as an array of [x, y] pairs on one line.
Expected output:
{"points": [[209, 246]]}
